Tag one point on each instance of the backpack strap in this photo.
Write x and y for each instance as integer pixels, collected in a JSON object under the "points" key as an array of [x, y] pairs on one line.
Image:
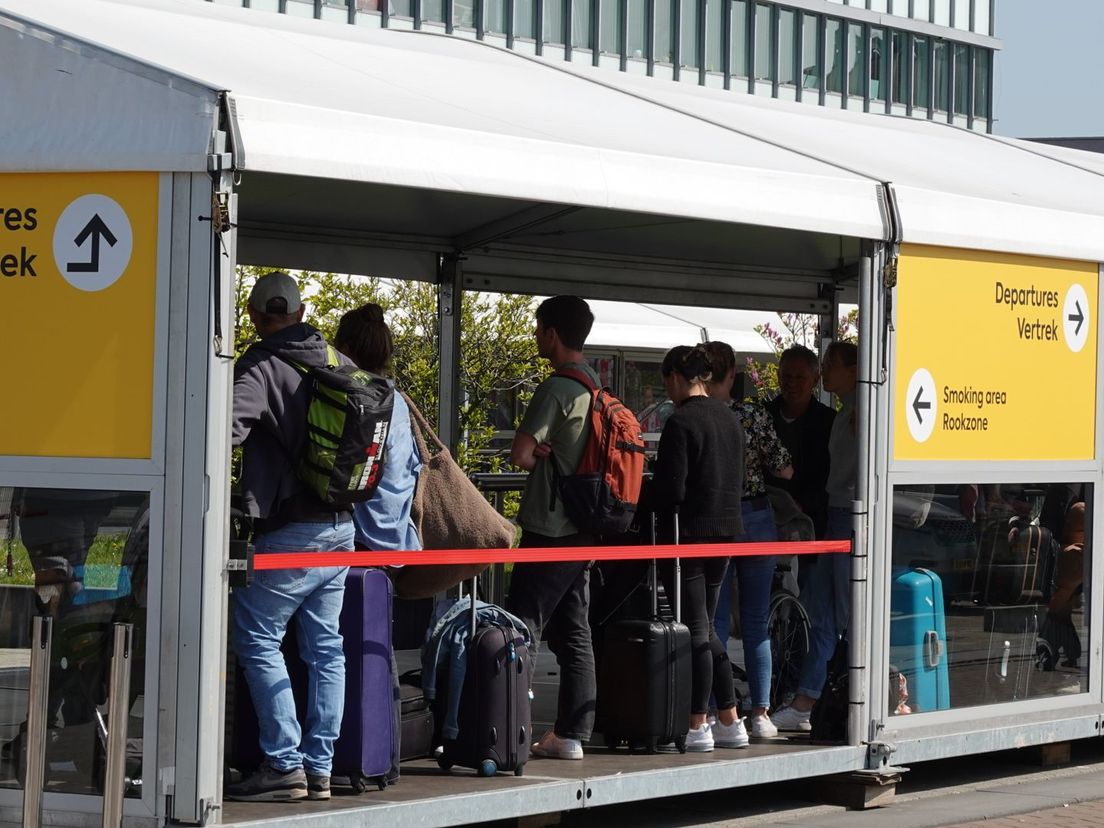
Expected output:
{"points": [[581, 377]]}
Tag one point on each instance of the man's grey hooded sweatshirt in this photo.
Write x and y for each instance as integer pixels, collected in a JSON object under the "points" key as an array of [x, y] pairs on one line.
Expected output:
{"points": [[270, 416]]}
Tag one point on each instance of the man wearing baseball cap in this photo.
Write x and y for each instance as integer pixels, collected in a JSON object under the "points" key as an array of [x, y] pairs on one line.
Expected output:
{"points": [[270, 416]]}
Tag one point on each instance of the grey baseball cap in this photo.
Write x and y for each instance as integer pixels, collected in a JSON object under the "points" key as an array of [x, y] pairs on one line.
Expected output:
{"points": [[275, 292]]}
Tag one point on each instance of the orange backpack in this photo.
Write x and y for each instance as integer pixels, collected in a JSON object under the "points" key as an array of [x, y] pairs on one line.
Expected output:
{"points": [[602, 494]]}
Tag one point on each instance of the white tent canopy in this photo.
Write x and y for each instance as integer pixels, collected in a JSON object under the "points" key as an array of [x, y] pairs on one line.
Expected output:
{"points": [[353, 137], [633, 325]]}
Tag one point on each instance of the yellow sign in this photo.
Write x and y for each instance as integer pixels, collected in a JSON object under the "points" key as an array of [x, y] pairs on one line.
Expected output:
{"points": [[78, 273], [996, 357]]}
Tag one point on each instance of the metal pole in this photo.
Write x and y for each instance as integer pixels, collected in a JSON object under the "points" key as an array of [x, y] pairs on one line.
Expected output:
{"points": [[450, 290], [42, 630], [118, 711]]}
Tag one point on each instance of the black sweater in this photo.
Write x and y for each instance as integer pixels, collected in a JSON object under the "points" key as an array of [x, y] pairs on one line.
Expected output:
{"points": [[807, 440], [700, 469]]}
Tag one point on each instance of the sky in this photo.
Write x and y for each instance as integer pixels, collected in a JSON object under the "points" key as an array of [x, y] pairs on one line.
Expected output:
{"points": [[1049, 79]]}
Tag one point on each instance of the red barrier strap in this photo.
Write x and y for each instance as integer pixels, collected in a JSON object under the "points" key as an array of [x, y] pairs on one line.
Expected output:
{"points": [[307, 560]]}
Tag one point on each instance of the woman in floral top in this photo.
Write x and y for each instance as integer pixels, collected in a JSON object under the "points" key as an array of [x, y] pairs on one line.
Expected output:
{"points": [[755, 574]]}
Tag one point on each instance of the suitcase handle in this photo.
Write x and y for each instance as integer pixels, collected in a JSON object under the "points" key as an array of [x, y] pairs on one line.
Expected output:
{"points": [[474, 589], [933, 648], [678, 575]]}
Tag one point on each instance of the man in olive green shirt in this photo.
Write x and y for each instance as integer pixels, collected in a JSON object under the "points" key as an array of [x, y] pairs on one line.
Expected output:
{"points": [[553, 598]]}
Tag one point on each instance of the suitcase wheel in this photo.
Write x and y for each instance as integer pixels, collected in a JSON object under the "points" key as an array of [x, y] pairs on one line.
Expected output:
{"points": [[443, 763], [358, 783], [519, 770], [488, 768], [680, 744]]}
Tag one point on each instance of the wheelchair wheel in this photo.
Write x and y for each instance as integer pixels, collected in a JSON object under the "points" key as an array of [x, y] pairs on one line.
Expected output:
{"points": [[788, 629]]}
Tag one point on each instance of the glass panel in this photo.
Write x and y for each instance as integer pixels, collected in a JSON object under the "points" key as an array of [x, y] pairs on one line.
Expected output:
{"points": [[899, 7], [434, 11], [856, 59], [664, 30], [989, 599], [580, 23], [962, 79], [400, 8], [525, 18], [738, 39], [645, 397], [689, 33], [921, 74], [981, 17], [962, 14], [463, 14], [605, 366], [942, 12], [921, 9], [638, 28], [494, 16], [609, 35], [879, 59], [787, 47], [81, 557], [764, 52], [810, 52], [942, 83], [833, 34], [900, 67], [554, 21], [714, 34], [878, 5], [982, 59]]}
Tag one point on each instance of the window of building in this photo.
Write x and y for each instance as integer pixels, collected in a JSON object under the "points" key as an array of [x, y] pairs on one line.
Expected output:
{"points": [[494, 16], [941, 12], [638, 28], [738, 39], [433, 11], [921, 72], [787, 47], [665, 30], [525, 18], [764, 51], [580, 23], [463, 14], [856, 59], [899, 7], [554, 21], [879, 5], [833, 71], [990, 593], [982, 66], [879, 59], [688, 36], [400, 8], [962, 14], [921, 9], [941, 60], [900, 59], [609, 27], [811, 68], [714, 35], [962, 79], [982, 17]]}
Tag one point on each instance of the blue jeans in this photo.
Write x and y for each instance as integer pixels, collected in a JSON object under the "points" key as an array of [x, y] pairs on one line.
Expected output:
{"points": [[261, 614], [755, 576], [827, 600]]}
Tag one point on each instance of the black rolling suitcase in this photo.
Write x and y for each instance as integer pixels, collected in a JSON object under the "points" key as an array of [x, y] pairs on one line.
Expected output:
{"points": [[416, 739], [495, 719], [644, 678]]}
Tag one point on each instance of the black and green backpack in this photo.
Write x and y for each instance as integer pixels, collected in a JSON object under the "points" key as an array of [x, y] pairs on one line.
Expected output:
{"points": [[348, 417]]}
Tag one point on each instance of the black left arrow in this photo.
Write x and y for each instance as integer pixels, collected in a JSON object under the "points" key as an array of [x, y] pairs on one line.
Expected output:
{"points": [[96, 230], [919, 406], [1079, 318]]}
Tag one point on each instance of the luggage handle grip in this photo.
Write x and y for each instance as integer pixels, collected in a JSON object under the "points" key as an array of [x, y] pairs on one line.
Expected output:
{"points": [[933, 648], [474, 589], [677, 578]]}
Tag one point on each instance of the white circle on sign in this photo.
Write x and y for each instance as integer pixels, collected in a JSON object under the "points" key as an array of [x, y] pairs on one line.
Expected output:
{"points": [[1075, 318], [920, 405], [92, 242]]}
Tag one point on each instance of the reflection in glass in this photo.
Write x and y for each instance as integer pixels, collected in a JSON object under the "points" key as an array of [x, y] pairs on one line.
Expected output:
{"points": [[833, 34], [554, 21], [81, 557], [988, 601], [609, 33], [638, 28], [714, 34], [646, 398], [787, 47], [434, 11], [962, 79], [982, 60], [400, 8], [580, 23], [463, 14], [494, 16], [856, 59], [942, 82], [764, 51], [879, 59], [738, 39], [664, 31], [524, 18], [688, 57], [810, 52], [900, 67], [921, 73]]}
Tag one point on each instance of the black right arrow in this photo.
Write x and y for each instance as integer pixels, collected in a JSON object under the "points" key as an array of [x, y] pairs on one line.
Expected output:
{"points": [[1079, 318], [96, 229], [918, 406]]}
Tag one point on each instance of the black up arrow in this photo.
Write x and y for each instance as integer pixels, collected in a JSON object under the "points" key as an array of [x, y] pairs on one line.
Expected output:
{"points": [[95, 229], [1079, 318], [919, 406]]}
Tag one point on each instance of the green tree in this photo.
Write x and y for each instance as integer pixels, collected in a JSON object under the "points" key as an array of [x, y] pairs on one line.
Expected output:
{"points": [[801, 329]]}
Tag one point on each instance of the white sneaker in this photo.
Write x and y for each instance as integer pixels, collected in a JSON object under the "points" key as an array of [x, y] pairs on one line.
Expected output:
{"points": [[552, 746], [761, 727], [699, 739], [792, 719], [730, 736]]}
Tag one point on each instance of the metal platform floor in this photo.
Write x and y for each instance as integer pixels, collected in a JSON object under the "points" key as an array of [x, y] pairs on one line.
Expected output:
{"points": [[427, 797]]}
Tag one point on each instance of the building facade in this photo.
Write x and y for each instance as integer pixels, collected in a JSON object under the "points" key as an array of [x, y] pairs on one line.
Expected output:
{"points": [[928, 59]]}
